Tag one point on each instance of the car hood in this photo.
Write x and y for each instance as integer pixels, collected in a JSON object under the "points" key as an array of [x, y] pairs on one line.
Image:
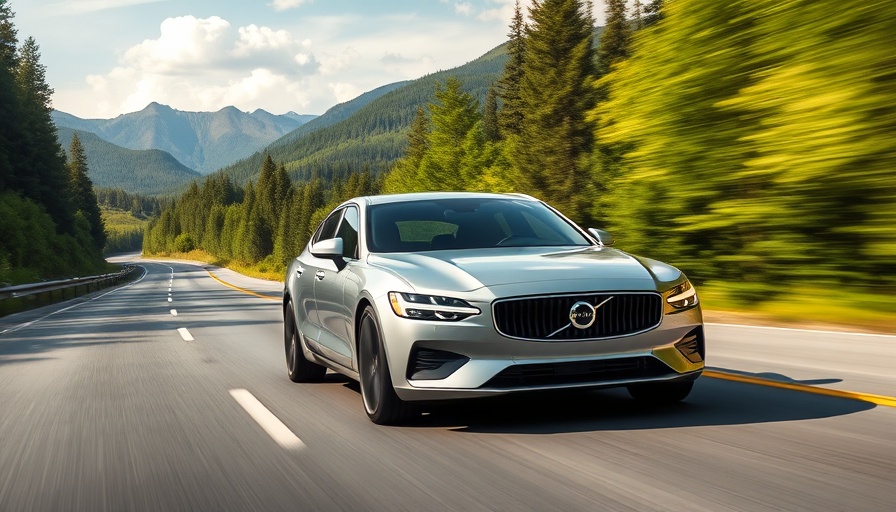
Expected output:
{"points": [[593, 268]]}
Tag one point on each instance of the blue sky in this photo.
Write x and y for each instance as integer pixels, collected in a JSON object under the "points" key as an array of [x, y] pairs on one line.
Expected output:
{"points": [[109, 57]]}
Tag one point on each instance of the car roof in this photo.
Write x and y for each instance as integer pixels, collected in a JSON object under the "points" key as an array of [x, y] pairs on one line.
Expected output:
{"points": [[431, 196]]}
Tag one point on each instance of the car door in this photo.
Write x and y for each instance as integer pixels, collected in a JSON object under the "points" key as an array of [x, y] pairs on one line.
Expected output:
{"points": [[331, 276], [307, 270]]}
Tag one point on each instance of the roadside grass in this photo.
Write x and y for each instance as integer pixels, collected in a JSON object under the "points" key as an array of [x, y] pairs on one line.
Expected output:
{"points": [[803, 306], [120, 221], [266, 269]]}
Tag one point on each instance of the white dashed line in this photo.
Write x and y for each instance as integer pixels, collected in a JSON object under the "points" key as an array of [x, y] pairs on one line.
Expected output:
{"points": [[169, 299], [266, 419], [173, 312], [185, 334]]}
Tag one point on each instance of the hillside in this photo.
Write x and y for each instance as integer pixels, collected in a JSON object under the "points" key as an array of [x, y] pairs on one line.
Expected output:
{"points": [[203, 141], [368, 131], [144, 171]]}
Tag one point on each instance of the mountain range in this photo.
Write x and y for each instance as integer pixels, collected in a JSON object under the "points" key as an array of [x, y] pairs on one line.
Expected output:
{"points": [[369, 131], [202, 141], [143, 171]]}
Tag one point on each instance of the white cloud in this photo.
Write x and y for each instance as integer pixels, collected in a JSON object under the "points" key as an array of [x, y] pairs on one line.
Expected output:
{"points": [[185, 43], [463, 8], [503, 10], [75, 7], [282, 5], [206, 64], [331, 64], [344, 91], [254, 38]]}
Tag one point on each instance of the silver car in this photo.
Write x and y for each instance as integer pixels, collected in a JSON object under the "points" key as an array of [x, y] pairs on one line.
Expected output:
{"points": [[454, 295]]}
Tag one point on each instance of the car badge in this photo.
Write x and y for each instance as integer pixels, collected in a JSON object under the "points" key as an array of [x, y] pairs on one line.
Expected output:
{"points": [[582, 314]]}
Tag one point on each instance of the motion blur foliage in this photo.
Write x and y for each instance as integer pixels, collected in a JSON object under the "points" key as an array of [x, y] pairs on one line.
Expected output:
{"points": [[756, 142]]}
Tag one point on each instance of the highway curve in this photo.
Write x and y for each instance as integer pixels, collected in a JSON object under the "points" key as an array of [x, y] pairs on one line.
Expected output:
{"points": [[171, 394]]}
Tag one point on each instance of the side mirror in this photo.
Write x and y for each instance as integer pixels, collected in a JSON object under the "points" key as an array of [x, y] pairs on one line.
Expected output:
{"points": [[604, 238], [330, 248]]}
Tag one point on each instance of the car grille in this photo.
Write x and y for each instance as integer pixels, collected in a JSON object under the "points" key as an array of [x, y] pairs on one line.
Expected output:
{"points": [[544, 318], [577, 372]]}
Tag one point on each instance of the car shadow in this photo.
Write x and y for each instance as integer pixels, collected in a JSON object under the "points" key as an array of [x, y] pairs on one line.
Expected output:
{"points": [[778, 377], [713, 402]]}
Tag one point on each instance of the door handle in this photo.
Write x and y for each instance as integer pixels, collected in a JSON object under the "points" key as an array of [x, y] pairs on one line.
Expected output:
{"points": [[320, 275]]}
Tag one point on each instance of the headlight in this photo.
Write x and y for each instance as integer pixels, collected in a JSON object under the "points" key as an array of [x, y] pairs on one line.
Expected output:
{"points": [[682, 296], [430, 307]]}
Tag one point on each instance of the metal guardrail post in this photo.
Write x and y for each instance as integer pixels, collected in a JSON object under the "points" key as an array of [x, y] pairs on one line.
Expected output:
{"points": [[27, 296]]}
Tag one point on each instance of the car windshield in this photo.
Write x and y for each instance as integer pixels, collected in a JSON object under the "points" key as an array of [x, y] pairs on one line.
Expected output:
{"points": [[467, 223]]}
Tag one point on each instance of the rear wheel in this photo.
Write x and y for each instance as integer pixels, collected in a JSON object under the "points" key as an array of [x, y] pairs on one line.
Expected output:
{"points": [[382, 405], [661, 393], [298, 368]]}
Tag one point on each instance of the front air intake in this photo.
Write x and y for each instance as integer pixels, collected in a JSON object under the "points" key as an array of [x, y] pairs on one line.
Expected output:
{"points": [[431, 364]]}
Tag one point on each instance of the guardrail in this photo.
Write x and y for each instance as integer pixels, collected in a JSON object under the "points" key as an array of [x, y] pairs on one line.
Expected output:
{"points": [[14, 299]]}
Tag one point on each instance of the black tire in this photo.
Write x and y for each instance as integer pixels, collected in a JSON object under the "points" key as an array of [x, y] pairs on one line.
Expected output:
{"points": [[298, 368], [382, 405], [661, 393]]}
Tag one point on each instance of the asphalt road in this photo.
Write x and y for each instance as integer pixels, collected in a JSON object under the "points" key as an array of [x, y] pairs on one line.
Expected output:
{"points": [[107, 406]]}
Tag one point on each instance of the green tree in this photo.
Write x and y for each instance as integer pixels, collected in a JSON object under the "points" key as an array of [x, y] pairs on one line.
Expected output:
{"points": [[510, 116], [454, 114], [10, 135], [44, 177], [490, 128], [83, 195], [653, 12], [637, 15], [550, 154], [402, 175], [615, 39]]}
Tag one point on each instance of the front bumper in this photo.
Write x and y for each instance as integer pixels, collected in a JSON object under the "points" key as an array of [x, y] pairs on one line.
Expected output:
{"points": [[494, 364]]}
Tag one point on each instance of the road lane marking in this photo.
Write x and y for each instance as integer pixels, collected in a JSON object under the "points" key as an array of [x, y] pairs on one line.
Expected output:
{"points": [[886, 401], [237, 288], [275, 428], [185, 334], [173, 312], [169, 299]]}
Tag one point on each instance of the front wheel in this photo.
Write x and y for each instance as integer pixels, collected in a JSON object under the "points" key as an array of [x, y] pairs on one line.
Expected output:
{"points": [[661, 393], [380, 401], [298, 368]]}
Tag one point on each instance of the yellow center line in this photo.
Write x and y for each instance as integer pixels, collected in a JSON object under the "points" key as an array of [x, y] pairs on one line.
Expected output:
{"points": [[887, 401], [243, 290]]}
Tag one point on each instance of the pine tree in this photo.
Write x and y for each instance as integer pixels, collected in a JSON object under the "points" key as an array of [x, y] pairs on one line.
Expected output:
{"points": [[653, 13], [10, 135], [83, 194], [637, 15], [454, 113], [402, 177], [44, 177], [490, 127], [510, 116], [615, 40], [551, 151]]}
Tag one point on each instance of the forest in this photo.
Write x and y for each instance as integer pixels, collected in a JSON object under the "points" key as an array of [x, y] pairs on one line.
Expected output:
{"points": [[51, 224], [749, 143]]}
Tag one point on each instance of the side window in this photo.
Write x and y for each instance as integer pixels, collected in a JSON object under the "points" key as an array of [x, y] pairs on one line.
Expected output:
{"points": [[348, 232], [327, 229]]}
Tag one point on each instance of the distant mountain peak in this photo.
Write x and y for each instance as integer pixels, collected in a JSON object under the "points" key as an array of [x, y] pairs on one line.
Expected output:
{"points": [[204, 141]]}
